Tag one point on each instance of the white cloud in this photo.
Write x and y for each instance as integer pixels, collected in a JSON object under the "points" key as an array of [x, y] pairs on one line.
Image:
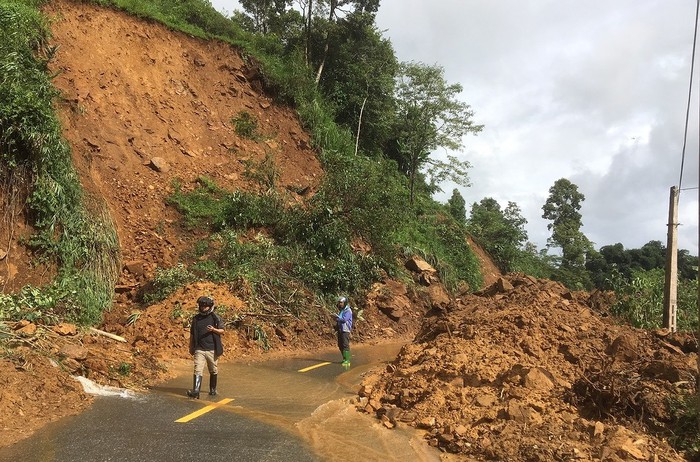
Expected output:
{"points": [[593, 91]]}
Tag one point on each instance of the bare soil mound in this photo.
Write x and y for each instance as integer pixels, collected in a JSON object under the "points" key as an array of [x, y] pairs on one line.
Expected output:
{"points": [[527, 371]]}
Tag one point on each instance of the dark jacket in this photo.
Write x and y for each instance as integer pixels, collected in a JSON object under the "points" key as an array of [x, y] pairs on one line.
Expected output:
{"points": [[216, 322]]}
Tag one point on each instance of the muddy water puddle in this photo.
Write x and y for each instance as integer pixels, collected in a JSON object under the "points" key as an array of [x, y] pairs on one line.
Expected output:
{"points": [[317, 404]]}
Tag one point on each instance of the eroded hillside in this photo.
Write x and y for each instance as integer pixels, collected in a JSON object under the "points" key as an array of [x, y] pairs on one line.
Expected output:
{"points": [[142, 106]]}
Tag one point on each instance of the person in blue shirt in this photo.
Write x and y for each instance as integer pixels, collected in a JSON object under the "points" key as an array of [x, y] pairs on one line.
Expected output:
{"points": [[344, 327]]}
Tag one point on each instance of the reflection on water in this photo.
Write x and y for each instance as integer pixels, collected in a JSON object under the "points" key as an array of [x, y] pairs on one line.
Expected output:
{"points": [[337, 432], [317, 405]]}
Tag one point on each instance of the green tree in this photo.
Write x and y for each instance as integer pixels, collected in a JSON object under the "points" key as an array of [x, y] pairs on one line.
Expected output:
{"points": [[430, 116], [536, 263], [358, 80], [457, 207], [500, 232], [264, 15], [335, 10], [651, 255], [562, 208]]}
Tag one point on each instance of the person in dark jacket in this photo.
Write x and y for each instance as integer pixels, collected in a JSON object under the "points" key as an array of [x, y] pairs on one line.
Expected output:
{"points": [[205, 344]]}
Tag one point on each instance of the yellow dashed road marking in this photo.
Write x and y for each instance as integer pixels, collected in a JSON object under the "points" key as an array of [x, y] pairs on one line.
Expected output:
{"points": [[204, 410], [306, 369]]}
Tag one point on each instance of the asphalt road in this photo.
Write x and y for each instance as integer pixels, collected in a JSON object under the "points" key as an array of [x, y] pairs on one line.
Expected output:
{"points": [[268, 399]]}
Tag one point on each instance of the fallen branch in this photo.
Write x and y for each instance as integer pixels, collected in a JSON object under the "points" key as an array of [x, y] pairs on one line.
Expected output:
{"points": [[271, 315], [108, 335]]}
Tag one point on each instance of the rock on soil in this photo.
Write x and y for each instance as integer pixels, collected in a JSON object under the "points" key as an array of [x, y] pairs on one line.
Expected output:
{"points": [[527, 371]]}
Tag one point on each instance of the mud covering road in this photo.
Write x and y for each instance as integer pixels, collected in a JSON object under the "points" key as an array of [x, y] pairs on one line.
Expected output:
{"points": [[277, 414]]}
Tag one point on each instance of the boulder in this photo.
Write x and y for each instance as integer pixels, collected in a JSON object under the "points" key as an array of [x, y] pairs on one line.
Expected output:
{"points": [[65, 328], [418, 265], [159, 165], [75, 352]]}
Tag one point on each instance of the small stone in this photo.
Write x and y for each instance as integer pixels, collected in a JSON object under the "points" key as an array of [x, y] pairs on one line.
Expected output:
{"points": [[538, 379], [630, 449], [485, 400], [159, 165], [75, 352], [27, 330], [426, 422], [365, 390], [598, 430], [65, 328], [135, 267]]}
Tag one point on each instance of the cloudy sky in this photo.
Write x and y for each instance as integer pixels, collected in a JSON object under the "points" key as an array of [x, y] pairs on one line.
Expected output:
{"points": [[593, 91]]}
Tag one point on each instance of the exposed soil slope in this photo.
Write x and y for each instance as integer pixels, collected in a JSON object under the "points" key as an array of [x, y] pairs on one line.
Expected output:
{"points": [[142, 106], [528, 371]]}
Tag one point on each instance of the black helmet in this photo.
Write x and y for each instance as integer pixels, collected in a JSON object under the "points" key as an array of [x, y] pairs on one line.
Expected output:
{"points": [[205, 301]]}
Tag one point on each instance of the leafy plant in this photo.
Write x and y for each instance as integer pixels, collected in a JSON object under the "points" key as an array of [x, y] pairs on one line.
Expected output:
{"points": [[166, 281], [640, 299], [73, 231], [261, 337], [265, 173], [124, 369], [685, 411], [246, 126], [133, 317]]}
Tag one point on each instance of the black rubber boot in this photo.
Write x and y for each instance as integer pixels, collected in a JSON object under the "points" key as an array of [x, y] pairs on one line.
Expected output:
{"points": [[212, 383], [196, 386]]}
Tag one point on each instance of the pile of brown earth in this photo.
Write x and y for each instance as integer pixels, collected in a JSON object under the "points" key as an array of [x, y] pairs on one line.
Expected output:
{"points": [[527, 371]]}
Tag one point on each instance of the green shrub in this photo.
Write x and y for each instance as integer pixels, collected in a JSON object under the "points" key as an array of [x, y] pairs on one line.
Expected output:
{"points": [[202, 208], [209, 207], [246, 126], [245, 210], [685, 413], [167, 281], [640, 299], [265, 173], [78, 236]]}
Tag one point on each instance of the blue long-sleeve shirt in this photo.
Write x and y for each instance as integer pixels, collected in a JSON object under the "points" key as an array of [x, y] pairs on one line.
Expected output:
{"points": [[345, 319]]}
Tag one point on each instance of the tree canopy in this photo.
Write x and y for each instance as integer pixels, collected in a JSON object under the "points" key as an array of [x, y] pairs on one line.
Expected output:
{"points": [[562, 208], [429, 116], [500, 232]]}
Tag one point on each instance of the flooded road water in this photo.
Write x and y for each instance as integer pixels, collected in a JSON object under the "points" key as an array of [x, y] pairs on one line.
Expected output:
{"points": [[317, 404], [276, 414]]}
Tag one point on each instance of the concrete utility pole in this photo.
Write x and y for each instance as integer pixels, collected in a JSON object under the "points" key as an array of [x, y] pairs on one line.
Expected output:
{"points": [[671, 285]]}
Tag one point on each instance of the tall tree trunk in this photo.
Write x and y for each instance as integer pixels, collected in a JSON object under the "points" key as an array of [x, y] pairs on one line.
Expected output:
{"points": [[307, 47], [359, 125], [333, 5], [413, 170]]}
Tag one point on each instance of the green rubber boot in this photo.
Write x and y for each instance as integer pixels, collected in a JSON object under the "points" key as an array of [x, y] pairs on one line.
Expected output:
{"points": [[346, 358]]}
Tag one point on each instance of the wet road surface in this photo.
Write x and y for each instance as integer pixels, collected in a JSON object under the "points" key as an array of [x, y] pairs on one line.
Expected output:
{"points": [[276, 413]]}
